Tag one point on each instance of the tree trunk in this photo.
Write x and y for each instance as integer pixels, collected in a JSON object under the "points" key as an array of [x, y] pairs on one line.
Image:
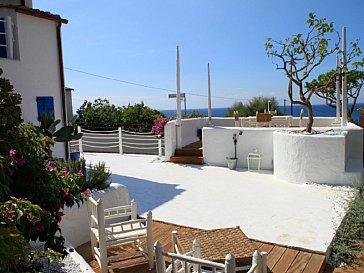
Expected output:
{"points": [[310, 118]]}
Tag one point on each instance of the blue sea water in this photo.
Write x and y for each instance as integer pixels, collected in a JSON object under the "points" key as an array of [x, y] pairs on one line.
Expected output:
{"points": [[319, 110]]}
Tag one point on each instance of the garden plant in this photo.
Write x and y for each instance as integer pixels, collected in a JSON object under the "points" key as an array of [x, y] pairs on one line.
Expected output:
{"points": [[34, 189]]}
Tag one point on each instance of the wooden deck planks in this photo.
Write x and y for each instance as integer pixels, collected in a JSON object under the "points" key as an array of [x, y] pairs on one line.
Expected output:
{"points": [[317, 262], [280, 259], [285, 261], [300, 263], [274, 255]]}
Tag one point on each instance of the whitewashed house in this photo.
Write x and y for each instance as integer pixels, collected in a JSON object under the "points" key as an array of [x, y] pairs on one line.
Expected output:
{"points": [[31, 58]]}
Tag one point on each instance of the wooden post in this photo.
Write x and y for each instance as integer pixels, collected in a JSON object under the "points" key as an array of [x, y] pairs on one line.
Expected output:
{"points": [[344, 111], [102, 237], [300, 120], [80, 148], [174, 238], [178, 99], [196, 247], [149, 240], [230, 263], [257, 261], [209, 109], [120, 141], [90, 209], [264, 261], [134, 210], [338, 90], [159, 145], [159, 258], [236, 119]]}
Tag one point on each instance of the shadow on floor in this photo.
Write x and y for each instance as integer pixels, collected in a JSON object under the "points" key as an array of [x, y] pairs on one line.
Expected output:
{"points": [[148, 194]]}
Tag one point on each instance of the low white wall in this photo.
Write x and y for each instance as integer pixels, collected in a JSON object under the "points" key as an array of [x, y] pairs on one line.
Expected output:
{"points": [[170, 142], [218, 144], [317, 121], [189, 130], [189, 134], [75, 225]]}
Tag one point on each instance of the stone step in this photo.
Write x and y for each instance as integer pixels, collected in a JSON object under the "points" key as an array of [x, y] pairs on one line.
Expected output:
{"points": [[188, 152], [197, 160]]}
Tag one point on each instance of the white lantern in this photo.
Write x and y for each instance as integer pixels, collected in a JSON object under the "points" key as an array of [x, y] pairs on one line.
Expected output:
{"points": [[254, 159]]}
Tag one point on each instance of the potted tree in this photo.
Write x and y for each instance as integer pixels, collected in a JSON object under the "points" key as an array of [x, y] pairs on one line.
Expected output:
{"points": [[233, 161]]}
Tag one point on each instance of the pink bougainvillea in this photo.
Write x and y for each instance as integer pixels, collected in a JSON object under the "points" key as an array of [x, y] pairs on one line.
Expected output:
{"points": [[158, 127]]}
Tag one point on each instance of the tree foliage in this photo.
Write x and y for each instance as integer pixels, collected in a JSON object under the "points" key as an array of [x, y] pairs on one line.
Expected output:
{"points": [[10, 111], [139, 116], [325, 86], [194, 114], [101, 114], [256, 104], [299, 55]]}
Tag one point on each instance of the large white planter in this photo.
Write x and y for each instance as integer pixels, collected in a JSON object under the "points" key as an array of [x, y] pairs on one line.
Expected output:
{"points": [[300, 158]]}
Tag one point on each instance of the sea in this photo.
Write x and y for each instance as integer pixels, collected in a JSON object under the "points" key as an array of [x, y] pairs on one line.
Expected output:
{"points": [[319, 110]]}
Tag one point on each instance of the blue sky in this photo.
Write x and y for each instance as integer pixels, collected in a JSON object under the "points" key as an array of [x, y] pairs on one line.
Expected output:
{"points": [[136, 41]]}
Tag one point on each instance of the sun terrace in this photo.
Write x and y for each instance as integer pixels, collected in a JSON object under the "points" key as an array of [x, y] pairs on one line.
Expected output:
{"points": [[296, 199]]}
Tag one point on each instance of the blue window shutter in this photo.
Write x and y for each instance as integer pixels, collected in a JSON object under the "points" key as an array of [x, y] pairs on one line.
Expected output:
{"points": [[45, 104]]}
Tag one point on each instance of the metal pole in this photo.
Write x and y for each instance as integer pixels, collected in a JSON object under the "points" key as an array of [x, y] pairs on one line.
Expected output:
{"points": [[338, 70], [209, 96], [184, 100], [344, 111], [178, 121], [284, 106], [291, 89]]}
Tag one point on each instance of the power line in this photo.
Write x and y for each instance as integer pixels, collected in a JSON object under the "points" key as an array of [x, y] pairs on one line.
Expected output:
{"points": [[148, 86]]}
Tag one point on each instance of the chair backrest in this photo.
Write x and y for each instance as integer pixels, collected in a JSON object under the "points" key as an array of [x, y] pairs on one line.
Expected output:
{"points": [[189, 261], [117, 225], [264, 117], [119, 213]]}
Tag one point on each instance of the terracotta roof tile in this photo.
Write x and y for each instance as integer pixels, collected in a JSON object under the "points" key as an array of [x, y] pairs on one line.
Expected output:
{"points": [[36, 12]]}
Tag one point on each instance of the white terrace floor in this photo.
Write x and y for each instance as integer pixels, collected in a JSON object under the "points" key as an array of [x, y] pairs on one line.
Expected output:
{"points": [[209, 197]]}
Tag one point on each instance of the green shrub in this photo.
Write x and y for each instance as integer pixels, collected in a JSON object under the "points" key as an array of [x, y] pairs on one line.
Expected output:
{"points": [[256, 104], [350, 233]]}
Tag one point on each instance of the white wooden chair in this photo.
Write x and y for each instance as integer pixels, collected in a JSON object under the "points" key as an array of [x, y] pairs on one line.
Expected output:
{"points": [[119, 226]]}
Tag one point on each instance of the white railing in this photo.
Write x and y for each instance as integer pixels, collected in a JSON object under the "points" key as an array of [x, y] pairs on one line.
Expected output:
{"points": [[118, 140], [192, 262]]}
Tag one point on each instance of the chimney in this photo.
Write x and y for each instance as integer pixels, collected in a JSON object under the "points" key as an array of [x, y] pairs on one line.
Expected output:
{"points": [[28, 3]]}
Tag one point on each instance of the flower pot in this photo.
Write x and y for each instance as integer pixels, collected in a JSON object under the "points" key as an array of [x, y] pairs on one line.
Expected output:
{"points": [[232, 162]]}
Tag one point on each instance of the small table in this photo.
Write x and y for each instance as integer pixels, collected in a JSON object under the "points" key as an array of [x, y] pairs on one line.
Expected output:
{"points": [[216, 243]]}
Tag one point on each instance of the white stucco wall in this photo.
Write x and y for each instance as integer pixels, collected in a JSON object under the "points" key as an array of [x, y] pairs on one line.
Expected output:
{"points": [[302, 158], [36, 72], [189, 130], [75, 225], [297, 158], [170, 142], [218, 144]]}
